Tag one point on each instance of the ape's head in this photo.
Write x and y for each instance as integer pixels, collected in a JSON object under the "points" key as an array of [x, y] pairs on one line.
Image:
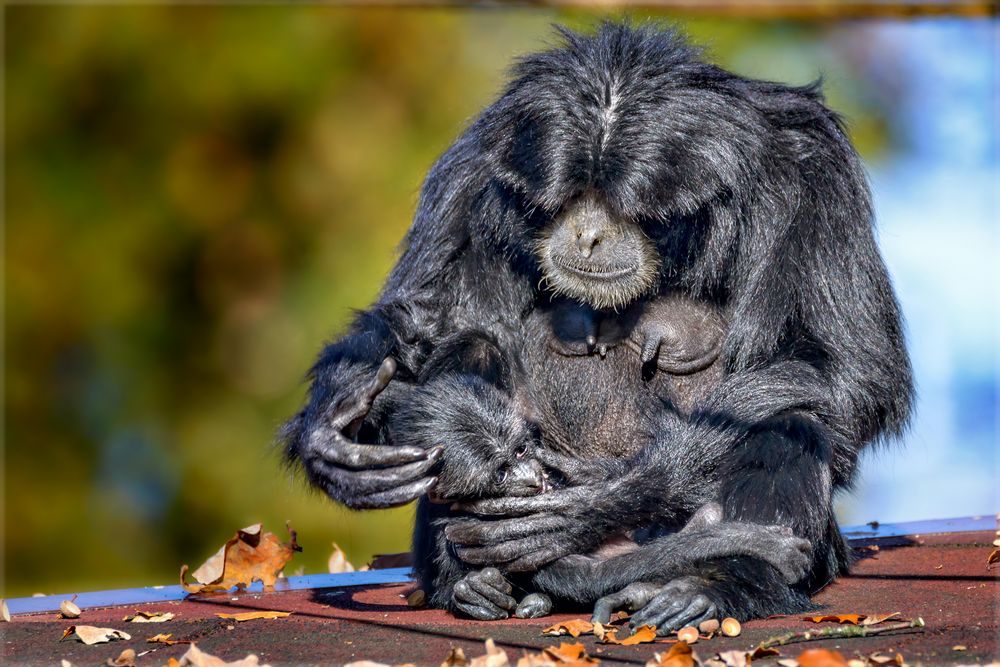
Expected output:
{"points": [[610, 150], [490, 449], [592, 255]]}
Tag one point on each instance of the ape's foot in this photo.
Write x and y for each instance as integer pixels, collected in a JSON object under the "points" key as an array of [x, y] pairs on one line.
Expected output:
{"points": [[632, 597], [680, 603], [791, 555], [484, 595], [534, 605]]}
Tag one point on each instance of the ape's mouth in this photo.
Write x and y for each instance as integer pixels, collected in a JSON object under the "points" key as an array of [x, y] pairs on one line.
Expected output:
{"points": [[594, 272]]}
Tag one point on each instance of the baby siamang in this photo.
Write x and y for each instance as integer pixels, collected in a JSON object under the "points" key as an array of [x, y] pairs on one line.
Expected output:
{"points": [[622, 174], [465, 402]]}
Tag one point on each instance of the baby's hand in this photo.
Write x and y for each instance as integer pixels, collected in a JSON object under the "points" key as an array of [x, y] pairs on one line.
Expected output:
{"points": [[681, 335]]}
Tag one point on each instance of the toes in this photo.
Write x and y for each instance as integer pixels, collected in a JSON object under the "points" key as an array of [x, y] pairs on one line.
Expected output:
{"points": [[473, 603], [494, 591], [534, 605], [480, 613]]}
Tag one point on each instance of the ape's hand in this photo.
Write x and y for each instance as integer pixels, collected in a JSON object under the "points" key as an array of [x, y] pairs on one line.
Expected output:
{"points": [[524, 533], [365, 476]]}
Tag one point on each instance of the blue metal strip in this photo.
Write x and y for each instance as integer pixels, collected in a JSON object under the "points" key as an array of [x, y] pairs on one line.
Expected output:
{"points": [[128, 596]]}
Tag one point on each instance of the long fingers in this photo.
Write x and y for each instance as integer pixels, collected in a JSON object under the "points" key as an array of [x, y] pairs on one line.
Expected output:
{"points": [[352, 411], [491, 585], [554, 502], [337, 450], [365, 482], [477, 598], [400, 495], [474, 533], [631, 597], [671, 610]]}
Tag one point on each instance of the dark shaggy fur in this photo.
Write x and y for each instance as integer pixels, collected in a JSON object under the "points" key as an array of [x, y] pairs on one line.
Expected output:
{"points": [[759, 209]]}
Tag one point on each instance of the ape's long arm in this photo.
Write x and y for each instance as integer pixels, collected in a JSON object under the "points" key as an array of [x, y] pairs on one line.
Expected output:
{"points": [[433, 291]]}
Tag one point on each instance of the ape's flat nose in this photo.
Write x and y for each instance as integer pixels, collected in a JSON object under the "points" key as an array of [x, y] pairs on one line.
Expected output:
{"points": [[587, 238]]}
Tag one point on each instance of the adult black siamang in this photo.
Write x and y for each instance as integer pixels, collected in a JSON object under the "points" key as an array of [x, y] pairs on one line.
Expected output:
{"points": [[682, 262]]}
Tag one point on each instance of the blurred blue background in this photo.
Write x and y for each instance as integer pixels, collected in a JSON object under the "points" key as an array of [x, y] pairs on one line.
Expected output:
{"points": [[196, 197]]}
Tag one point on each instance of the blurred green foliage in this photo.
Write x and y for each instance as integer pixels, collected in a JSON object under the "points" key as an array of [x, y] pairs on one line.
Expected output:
{"points": [[196, 198]]}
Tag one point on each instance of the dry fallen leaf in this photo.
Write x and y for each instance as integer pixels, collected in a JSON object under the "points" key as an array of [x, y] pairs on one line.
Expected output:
{"points": [[993, 558], [679, 655], [875, 619], [788, 662], [253, 615], [125, 659], [853, 662], [338, 563], [4, 611], [165, 638], [250, 555], [89, 634], [195, 657], [149, 617], [733, 658], [573, 628], [958, 647], [849, 619], [456, 658], [880, 659], [761, 652], [495, 657], [535, 660], [642, 635], [569, 654], [821, 657]]}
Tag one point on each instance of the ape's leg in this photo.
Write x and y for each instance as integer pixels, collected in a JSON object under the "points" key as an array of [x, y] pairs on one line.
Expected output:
{"points": [[482, 594], [585, 579], [779, 475]]}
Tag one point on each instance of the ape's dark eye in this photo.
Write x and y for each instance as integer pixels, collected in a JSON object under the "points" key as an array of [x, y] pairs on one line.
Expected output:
{"points": [[501, 476], [521, 451]]}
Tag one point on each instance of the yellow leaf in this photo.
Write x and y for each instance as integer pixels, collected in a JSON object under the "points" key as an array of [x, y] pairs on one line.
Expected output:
{"points": [[642, 635], [252, 615], [573, 628], [848, 619], [89, 634], [250, 555], [875, 619], [679, 655], [149, 617], [338, 563]]}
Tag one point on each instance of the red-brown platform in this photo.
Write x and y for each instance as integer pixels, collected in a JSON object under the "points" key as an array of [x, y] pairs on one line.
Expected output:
{"points": [[942, 578]]}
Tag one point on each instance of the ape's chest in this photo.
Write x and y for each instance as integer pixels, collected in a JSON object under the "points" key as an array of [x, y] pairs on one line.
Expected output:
{"points": [[592, 391]]}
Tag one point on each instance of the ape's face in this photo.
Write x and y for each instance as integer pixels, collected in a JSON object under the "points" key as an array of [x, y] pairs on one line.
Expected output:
{"points": [[589, 254], [491, 468]]}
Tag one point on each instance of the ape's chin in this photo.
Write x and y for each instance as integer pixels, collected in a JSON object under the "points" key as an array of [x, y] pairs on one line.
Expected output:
{"points": [[601, 291]]}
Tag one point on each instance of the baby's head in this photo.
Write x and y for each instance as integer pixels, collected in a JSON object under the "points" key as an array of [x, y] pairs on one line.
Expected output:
{"points": [[490, 448], [467, 404]]}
